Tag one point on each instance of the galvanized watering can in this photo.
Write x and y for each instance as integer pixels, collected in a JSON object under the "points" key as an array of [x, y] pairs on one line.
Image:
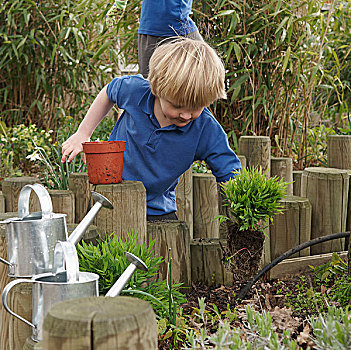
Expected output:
{"points": [[51, 288], [31, 237]]}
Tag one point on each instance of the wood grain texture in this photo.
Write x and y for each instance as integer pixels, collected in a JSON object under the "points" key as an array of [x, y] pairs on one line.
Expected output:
{"points": [[257, 150], [11, 188], [4, 280], [242, 159], [2, 203], [283, 168], [101, 323], [79, 184], [339, 151], [172, 235], [297, 175], [291, 228], [205, 203], [327, 189], [63, 203], [184, 198], [129, 210], [207, 262]]}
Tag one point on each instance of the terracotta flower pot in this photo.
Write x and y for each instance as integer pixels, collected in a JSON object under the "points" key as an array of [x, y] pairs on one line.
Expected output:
{"points": [[104, 161]]}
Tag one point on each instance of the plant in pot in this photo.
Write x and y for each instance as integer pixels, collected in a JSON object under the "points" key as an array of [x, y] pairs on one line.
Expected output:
{"points": [[251, 200]]}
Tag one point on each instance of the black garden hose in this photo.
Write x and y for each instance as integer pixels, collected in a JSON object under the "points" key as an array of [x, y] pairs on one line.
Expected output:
{"points": [[290, 252]]}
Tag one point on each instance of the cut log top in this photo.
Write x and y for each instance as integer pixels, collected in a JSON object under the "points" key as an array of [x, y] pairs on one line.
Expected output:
{"points": [[23, 180], [325, 172], [340, 137], [104, 316], [263, 138]]}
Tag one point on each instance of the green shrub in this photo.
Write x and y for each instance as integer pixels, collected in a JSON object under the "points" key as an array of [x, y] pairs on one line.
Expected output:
{"points": [[252, 198], [55, 56], [108, 261]]}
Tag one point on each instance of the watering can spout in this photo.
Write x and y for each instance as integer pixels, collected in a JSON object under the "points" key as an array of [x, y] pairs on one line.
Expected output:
{"points": [[100, 201], [135, 263]]}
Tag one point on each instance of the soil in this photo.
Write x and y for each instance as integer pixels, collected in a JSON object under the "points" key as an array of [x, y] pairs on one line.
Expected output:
{"points": [[245, 249]]}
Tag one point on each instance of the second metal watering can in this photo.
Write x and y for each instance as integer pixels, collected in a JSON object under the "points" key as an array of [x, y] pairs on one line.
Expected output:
{"points": [[51, 288], [31, 237]]}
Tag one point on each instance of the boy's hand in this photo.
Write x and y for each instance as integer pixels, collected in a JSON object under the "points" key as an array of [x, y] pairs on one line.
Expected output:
{"points": [[115, 12], [73, 146]]}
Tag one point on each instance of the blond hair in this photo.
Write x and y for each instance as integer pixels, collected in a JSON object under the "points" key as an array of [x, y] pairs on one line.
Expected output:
{"points": [[187, 72]]}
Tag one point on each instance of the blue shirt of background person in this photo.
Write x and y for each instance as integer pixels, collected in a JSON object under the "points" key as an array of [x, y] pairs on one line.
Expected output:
{"points": [[166, 18], [159, 156]]}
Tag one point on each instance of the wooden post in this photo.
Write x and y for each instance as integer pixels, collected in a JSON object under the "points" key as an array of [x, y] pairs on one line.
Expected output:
{"points": [[257, 150], [242, 160], [79, 184], [63, 203], [101, 323], [13, 331], [184, 197], [11, 188], [205, 206], [90, 235], [208, 262], [129, 210], [297, 175], [174, 235], [327, 189], [291, 228], [283, 167], [2, 203], [339, 151]]}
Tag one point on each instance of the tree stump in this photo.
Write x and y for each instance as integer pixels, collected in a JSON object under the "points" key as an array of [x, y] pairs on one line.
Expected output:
{"points": [[90, 235], [205, 206], [79, 184], [176, 236], [63, 203], [327, 189], [208, 262], [283, 167], [2, 203], [291, 228], [100, 323], [129, 210], [297, 175], [11, 188], [13, 331], [257, 150], [339, 151], [184, 197]]}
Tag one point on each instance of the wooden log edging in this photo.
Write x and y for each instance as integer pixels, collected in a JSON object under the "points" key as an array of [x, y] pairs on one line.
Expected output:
{"points": [[297, 175], [63, 202], [292, 227], [327, 189], [257, 150], [2, 203], [184, 198], [129, 210], [283, 168], [205, 206], [172, 235], [11, 188], [339, 151], [101, 323], [79, 184], [207, 262]]}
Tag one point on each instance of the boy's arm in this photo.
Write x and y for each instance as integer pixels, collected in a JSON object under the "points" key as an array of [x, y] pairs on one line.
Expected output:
{"points": [[97, 111]]}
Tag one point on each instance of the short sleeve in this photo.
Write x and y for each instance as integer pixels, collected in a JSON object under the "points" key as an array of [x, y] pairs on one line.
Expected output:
{"points": [[113, 89]]}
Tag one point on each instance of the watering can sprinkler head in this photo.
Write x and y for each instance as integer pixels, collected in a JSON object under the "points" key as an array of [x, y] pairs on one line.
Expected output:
{"points": [[100, 201], [135, 263]]}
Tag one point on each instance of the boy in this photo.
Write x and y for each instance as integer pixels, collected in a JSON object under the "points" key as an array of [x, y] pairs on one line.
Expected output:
{"points": [[159, 20], [165, 122]]}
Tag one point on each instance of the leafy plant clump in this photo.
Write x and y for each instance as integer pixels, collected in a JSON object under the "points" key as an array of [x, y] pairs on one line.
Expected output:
{"points": [[252, 199], [107, 259]]}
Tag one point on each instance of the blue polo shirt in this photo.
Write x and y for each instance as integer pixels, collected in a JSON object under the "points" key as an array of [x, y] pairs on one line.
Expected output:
{"points": [[166, 18], [159, 156]]}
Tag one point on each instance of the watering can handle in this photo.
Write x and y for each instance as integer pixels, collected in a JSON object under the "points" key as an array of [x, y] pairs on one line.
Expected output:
{"points": [[65, 255], [4, 294], [44, 199]]}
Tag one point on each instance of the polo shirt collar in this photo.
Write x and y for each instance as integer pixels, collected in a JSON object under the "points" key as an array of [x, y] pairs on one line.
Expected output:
{"points": [[146, 104]]}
